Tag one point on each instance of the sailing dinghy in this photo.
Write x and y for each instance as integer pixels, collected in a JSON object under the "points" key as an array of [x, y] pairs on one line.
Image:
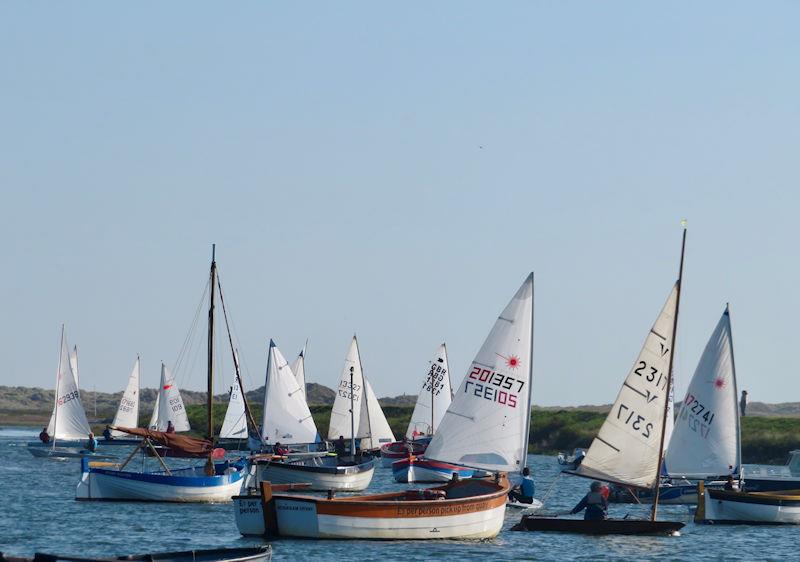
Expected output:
{"points": [[287, 420], [486, 426], [628, 449], [211, 482], [432, 402], [482, 428]]}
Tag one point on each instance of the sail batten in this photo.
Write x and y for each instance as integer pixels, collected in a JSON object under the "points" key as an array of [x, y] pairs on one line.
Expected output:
{"points": [[627, 447]]}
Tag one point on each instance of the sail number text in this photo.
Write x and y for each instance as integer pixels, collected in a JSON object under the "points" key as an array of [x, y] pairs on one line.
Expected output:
{"points": [[494, 386], [697, 416], [435, 380], [651, 374], [175, 404], [345, 390], [69, 396], [637, 422]]}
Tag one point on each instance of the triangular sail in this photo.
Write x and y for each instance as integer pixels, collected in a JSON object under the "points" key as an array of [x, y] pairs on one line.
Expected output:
{"points": [[128, 411], [484, 427], [626, 450], [69, 418], [299, 370], [234, 426], [436, 394], [153, 425], [670, 427], [340, 414], [706, 438], [287, 419], [170, 404], [373, 428]]}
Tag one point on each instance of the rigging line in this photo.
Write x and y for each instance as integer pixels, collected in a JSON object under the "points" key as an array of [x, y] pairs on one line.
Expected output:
{"points": [[192, 330], [551, 488]]}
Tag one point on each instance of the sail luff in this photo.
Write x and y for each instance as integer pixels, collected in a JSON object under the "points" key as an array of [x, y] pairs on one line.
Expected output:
{"points": [[58, 388], [526, 436], [738, 464]]}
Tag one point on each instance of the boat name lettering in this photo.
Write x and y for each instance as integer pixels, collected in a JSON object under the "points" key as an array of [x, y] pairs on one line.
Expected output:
{"points": [[437, 510], [637, 422], [651, 374], [250, 506], [294, 507]]}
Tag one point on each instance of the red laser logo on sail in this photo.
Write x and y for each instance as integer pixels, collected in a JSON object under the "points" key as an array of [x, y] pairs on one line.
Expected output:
{"points": [[719, 383], [512, 362]]}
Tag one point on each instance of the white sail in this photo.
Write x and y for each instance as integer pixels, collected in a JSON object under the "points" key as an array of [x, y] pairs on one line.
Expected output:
{"points": [[128, 411], [433, 399], [484, 427], [154, 416], [670, 427], [626, 450], [287, 419], [373, 429], [299, 370], [170, 404], [340, 414], [69, 418], [73, 362], [706, 438], [234, 426]]}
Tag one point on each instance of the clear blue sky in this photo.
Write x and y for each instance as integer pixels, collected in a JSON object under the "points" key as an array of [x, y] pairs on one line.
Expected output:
{"points": [[396, 170]]}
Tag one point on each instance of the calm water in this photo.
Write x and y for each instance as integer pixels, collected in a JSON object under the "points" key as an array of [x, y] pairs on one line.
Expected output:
{"points": [[40, 514]]}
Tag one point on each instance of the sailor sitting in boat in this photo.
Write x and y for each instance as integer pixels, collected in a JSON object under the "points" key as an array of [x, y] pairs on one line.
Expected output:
{"points": [[280, 450], [91, 443], [524, 492], [595, 503], [44, 437], [730, 485]]}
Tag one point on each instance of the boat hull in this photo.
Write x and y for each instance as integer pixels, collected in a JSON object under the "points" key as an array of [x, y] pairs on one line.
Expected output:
{"points": [[321, 473], [183, 486], [720, 506], [477, 517], [427, 470], [241, 554], [601, 527], [64, 453], [391, 452]]}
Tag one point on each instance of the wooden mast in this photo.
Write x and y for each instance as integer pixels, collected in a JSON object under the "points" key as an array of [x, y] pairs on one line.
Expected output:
{"points": [[210, 397], [654, 511], [526, 436]]}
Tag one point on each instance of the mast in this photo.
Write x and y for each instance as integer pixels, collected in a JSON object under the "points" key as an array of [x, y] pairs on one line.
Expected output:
{"points": [[58, 386], [526, 435], [210, 397], [654, 511], [433, 396], [735, 399], [352, 418], [364, 398]]}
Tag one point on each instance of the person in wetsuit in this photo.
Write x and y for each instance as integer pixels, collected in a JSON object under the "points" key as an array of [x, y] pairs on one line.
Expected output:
{"points": [[595, 504]]}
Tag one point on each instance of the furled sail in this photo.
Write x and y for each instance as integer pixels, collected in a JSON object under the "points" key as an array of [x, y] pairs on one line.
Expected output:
{"points": [[485, 425], [340, 414], [69, 418], [705, 442], [234, 426], [169, 405], [128, 410], [373, 429], [287, 419], [433, 399], [299, 370], [626, 450]]}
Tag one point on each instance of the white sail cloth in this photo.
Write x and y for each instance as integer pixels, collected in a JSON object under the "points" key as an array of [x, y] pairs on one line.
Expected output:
{"points": [[73, 362], [128, 411], [234, 426], [68, 420], [169, 405], [299, 370], [484, 427], [287, 418], [434, 397], [626, 449], [373, 429], [340, 414], [705, 442]]}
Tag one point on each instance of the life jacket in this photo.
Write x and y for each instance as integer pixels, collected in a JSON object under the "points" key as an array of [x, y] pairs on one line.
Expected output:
{"points": [[595, 498]]}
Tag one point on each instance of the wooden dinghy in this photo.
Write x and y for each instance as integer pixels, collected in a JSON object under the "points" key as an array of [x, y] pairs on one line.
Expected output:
{"points": [[322, 472], [601, 527], [241, 554], [398, 450], [461, 509], [727, 506]]}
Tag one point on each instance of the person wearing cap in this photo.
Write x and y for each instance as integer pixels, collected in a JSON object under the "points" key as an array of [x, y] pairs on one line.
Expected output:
{"points": [[595, 503]]}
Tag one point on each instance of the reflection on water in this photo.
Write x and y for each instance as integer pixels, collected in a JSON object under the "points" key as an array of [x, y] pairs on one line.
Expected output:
{"points": [[40, 514]]}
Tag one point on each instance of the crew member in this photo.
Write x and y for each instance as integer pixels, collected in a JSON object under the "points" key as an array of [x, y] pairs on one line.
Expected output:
{"points": [[595, 504], [91, 443], [524, 492], [44, 437], [279, 449], [339, 447], [107, 434], [170, 427]]}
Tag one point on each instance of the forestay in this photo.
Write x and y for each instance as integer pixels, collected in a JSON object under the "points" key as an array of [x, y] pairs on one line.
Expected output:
{"points": [[128, 412], [169, 405], [234, 426], [706, 438], [373, 429], [299, 370], [626, 450], [69, 419], [340, 414], [485, 425], [287, 418], [436, 393]]}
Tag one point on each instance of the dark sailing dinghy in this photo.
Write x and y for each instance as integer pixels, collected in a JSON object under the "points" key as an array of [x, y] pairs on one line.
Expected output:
{"points": [[242, 554], [628, 449]]}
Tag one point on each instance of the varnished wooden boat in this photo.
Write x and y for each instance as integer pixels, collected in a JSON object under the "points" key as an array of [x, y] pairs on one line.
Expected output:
{"points": [[464, 509], [728, 506], [601, 527]]}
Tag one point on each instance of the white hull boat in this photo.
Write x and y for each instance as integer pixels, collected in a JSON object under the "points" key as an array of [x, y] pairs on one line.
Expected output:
{"points": [[322, 473], [720, 506], [468, 509]]}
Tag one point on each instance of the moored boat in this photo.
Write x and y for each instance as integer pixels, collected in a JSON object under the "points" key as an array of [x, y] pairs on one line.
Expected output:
{"points": [[463, 509], [391, 452], [321, 472], [730, 506], [420, 469], [240, 554], [600, 527]]}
